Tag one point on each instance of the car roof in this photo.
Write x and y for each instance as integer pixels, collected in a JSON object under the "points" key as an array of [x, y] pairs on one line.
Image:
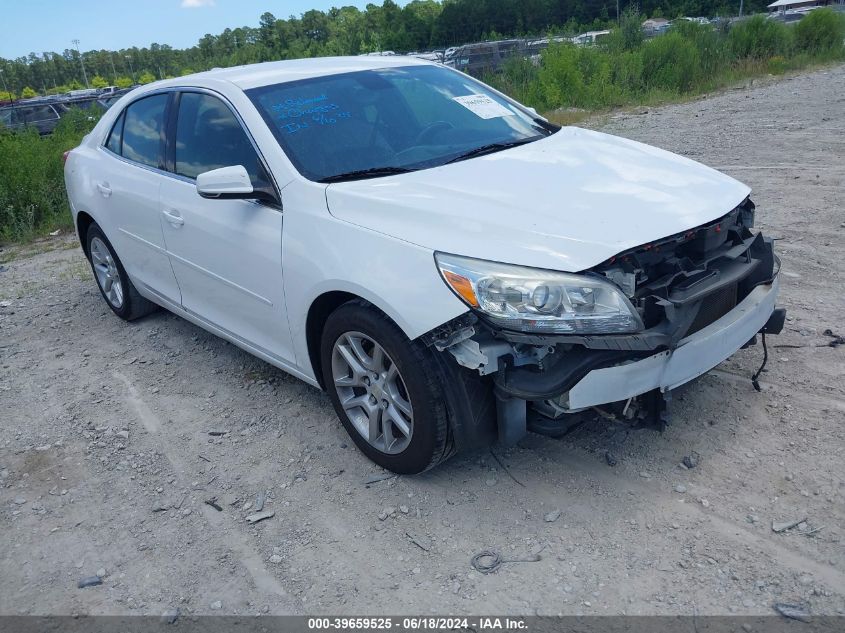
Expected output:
{"points": [[267, 73]]}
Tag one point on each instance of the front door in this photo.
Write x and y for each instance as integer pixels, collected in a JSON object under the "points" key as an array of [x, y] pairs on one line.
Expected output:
{"points": [[227, 254]]}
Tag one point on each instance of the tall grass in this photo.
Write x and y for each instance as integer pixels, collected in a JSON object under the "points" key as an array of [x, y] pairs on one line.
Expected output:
{"points": [[32, 189], [690, 59]]}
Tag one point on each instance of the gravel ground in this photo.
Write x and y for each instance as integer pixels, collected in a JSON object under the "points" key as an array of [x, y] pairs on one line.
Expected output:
{"points": [[114, 435]]}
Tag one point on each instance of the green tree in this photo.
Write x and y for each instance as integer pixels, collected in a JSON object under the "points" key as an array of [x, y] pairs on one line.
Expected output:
{"points": [[28, 93], [630, 27], [123, 82], [146, 77], [98, 82]]}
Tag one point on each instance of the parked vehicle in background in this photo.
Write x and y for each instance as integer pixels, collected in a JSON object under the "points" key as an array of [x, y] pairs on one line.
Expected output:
{"points": [[431, 56], [589, 38], [42, 116], [452, 268], [479, 58], [108, 102], [83, 104], [81, 94]]}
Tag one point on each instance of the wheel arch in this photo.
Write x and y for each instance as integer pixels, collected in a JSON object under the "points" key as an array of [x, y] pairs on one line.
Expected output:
{"points": [[83, 221], [469, 398], [319, 311]]}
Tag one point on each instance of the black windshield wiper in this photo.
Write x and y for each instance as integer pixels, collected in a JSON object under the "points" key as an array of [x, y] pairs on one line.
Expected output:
{"points": [[361, 174], [491, 148]]}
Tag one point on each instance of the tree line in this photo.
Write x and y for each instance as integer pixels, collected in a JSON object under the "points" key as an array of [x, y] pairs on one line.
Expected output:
{"points": [[419, 25]]}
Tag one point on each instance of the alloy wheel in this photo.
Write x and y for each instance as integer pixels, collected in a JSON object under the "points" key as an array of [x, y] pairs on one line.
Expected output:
{"points": [[105, 269], [372, 392]]}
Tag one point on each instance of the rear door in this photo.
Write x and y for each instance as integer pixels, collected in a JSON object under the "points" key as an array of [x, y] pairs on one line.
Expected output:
{"points": [[127, 183], [227, 254]]}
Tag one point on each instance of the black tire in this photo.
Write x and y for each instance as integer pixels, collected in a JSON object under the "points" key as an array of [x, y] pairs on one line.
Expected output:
{"points": [[133, 305], [429, 443]]}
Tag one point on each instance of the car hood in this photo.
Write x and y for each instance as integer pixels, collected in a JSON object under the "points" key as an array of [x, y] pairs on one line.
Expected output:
{"points": [[566, 202]]}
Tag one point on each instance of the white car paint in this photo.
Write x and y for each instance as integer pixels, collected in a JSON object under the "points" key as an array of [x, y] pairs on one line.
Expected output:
{"points": [[567, 202], [250, 272], [695, 355]]}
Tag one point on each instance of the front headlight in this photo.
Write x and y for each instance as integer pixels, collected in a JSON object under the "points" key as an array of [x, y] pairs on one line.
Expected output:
{"points": [[536, 300]]}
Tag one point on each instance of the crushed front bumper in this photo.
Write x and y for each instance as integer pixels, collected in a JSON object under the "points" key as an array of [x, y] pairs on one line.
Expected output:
{"points": [[702, 295], [694, 355]]}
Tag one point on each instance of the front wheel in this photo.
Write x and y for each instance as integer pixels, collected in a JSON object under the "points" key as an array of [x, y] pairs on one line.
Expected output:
{"points": [[385, 390]]}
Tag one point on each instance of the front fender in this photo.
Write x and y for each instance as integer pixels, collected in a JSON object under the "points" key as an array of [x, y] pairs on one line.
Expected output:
{"points": [[323, 254]]}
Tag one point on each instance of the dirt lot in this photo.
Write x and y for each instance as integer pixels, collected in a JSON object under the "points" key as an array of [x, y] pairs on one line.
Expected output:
{"points": [[111, 440]]}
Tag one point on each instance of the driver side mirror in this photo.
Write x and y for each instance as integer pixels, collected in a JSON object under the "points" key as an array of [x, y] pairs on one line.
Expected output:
{"points": [[232, 183]]}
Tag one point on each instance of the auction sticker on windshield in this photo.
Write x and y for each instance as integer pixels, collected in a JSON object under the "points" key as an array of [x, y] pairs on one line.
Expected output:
{"points": [[483, 106]]}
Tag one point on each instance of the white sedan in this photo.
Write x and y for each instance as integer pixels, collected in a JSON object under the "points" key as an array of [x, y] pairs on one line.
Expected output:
{"points": [[451, 267]]}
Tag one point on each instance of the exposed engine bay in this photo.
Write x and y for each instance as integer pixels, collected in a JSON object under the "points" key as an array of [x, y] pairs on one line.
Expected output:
{"points": [[679, 286]]}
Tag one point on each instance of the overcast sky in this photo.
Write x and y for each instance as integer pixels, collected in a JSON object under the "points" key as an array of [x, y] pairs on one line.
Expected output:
{"points": [[50, 25]]}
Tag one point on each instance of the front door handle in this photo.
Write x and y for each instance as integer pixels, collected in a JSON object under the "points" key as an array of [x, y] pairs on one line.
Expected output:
{"points": [[173, 217], [104, 189]]}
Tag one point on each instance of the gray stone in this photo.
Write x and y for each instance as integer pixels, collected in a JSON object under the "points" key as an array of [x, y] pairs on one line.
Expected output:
{"points": [[691, 460], [783, 526], [260, 516], [793, 611], [170, 616], [89, 581], [552, 516]]}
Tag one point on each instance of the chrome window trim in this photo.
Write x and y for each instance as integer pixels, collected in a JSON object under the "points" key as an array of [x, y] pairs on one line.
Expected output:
{"points": [[101, 145]]}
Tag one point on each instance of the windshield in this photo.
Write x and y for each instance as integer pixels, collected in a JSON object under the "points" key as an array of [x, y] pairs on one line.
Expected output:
{"points": [[376, 122]]}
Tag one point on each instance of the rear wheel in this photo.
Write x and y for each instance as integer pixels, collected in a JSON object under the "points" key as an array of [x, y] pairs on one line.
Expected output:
{"points": [[385, 390], [115, 286]]}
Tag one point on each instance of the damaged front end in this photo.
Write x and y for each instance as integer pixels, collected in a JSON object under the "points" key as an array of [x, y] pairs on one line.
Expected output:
{"points": [[698, 297]]}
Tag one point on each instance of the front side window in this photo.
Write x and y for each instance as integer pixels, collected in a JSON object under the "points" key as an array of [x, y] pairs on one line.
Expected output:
{"points": [[208, 136], [399, 119], [142, 130]]}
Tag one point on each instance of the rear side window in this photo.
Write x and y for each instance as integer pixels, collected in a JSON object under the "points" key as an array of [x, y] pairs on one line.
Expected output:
{"points": [[142, 130], [208, 136], [116, 136]]}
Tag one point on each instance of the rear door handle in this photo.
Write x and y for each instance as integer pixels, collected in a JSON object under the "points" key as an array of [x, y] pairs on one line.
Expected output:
{"points": [[104, 189], [173, 217]]}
